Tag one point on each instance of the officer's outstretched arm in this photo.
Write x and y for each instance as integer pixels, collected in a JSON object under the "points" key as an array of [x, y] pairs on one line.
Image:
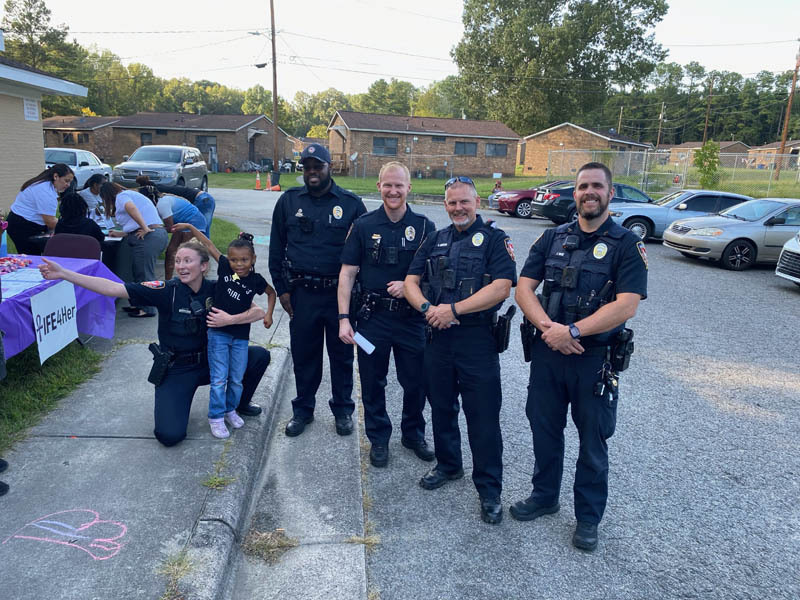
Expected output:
{"points": [[52, 270], [526, 299], [611, 315], [413, 292]]}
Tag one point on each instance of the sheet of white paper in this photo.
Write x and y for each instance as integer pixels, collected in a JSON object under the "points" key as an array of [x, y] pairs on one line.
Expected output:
{"points": [[364, 343]]}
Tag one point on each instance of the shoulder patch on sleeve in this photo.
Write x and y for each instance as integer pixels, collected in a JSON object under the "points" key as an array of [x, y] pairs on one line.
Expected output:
{"points": [[153, 285], [643, 253], [510, 248]]}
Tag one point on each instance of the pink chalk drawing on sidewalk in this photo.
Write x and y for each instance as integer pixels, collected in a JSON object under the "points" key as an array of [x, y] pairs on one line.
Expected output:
{"points": [[79, 528]]}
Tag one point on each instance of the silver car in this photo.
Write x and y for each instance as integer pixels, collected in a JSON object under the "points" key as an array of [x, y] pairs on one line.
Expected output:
{"points": [[82, 162], [168, 165], [651, 219], [789, 260], [749, 233]]}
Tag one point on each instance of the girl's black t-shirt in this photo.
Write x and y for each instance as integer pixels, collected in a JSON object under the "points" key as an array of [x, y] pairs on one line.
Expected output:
{"points": [[235, 294]]}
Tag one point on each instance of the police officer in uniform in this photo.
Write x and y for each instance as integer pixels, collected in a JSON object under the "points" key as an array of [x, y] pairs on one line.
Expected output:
{"points": [[379, 250], [183, 323], [467, 270], [595, 274], [309, 227]]}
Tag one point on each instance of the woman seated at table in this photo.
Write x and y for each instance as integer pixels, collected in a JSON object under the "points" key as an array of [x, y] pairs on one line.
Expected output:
{"points": [[143, 230], [74, 220], [173, 209], [94, 203], [34, 210], [181, 331]]}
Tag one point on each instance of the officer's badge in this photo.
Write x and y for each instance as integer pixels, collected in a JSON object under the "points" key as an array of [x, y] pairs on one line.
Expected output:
{"points": [[153, 285], [337, 212], [642, 252], [477, 239], [299, 212], [600, 250], [510, 249], [411, 233]]}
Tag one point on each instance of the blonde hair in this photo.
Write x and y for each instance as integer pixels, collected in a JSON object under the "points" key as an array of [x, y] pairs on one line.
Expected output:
{"points": [[394, 165], [195, 245]]}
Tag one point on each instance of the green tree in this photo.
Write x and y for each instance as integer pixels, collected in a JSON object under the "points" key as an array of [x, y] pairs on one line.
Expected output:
{"points": [[706, 159], [318, 131]]}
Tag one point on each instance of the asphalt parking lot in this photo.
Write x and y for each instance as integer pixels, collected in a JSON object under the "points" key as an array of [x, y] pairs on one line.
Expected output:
{"points": [[704, 462]]}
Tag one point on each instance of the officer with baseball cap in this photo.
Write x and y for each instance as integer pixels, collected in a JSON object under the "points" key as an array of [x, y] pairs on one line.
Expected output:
{"points": [[309, 228]]}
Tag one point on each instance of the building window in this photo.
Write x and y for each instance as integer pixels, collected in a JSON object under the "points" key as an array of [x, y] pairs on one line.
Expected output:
{"points": [[68, 139], [147, 139], [466, 148], [385, 146], [83, 138], [496, 149], [204, 142], [438, 138], [161, 132]]}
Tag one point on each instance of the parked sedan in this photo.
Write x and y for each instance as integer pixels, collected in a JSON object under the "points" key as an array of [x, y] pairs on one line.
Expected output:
{"points": [[650, 220], [518, 202], [789, 260], [746, 234], [558, 202], [82, 162]]}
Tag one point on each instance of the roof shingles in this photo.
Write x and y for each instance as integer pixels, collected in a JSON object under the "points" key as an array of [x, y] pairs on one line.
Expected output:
{"points": [[426, 125]]}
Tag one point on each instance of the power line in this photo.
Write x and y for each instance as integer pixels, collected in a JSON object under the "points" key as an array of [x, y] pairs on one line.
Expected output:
{"points": [[388, 51]]}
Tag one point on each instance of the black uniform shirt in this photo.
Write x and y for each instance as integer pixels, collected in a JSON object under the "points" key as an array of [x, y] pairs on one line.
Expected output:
{"points": [[375, 236], [499, 253], [235, 295], [178, 190], [310, 232], [80, 226], [172, 299]]}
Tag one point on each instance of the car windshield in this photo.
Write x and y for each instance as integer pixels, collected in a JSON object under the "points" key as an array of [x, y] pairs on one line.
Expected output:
{"points": [[60, 156], [670, 197], [562, 186], [165, 155], [752, 210]]}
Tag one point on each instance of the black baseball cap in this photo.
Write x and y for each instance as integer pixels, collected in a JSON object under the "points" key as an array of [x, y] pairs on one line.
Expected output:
{"points": [[317, 151]]}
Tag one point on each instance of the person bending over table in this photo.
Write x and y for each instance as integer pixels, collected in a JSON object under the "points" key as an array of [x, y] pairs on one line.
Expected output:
{"points": [[182, 330], [34, 210], [136, 215]]}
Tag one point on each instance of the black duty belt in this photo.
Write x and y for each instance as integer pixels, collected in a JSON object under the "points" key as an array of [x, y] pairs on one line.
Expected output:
{"points": [[311, 281], [186, 359]]}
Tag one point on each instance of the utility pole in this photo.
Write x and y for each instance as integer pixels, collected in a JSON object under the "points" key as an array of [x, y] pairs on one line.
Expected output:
{"points": [[274, 92], [708, 108], [660, 120], [782, 149], [619, 125]]}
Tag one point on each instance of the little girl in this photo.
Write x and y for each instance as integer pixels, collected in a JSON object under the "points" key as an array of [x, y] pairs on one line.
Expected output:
{"points": [[237, 284]]}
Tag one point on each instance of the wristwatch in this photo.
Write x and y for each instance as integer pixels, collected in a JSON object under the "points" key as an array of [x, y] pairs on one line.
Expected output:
{"points": [[574, 331], [344, 316], [424, 307]]}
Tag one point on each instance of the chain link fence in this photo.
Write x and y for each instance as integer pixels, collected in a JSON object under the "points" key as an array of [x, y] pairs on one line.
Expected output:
{"points": [[758, 174]]}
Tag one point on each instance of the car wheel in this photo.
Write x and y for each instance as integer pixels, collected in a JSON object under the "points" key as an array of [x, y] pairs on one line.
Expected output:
{"points": [[640, 227], [523, 210], [739, 255], [204, 184], [687, 255], [572, 215], [181, 182]]}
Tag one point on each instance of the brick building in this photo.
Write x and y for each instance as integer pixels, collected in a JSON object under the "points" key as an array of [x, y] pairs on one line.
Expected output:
{"points": [[21, 143], [86, 133], [686, 150], [763, 157], [430, 146], [234, 138], [301, 143], [535, 155]]}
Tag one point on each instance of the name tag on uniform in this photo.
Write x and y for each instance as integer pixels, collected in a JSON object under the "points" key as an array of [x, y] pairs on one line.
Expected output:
{"points": [[185, 311], [442, 245]]}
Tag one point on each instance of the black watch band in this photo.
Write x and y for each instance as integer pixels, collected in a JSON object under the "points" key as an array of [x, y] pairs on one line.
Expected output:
{"points": [[453, 308], [344, 316]]}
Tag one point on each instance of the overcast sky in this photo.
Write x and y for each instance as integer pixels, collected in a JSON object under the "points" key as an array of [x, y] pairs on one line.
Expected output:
{"points": [[382, 36]]}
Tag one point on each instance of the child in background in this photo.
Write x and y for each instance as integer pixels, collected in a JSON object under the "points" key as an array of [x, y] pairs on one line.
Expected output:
{"points": [[237, 284]]}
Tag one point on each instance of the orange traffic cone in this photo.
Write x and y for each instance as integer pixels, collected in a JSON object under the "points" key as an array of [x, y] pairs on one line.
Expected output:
{"points": [[258, 180], [274, 188]]}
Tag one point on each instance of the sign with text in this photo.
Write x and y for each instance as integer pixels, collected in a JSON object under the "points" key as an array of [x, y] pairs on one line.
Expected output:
{"points": [[54, 318], [31, 109]]}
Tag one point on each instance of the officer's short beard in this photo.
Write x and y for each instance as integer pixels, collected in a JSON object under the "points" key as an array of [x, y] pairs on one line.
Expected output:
{"points": [[324, 181], [602, 205]]}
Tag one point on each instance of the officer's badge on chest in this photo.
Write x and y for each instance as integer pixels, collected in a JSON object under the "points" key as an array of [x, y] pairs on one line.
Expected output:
{"points": [[337, 212], [411, 233], [477, 239], [600, 250]]}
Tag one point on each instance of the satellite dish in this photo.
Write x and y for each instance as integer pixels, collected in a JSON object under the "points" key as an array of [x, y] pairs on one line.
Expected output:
{"points": [[354, 156]]}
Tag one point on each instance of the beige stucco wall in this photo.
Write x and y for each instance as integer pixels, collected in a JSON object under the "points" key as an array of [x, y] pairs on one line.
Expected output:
{"points": [[21, 146]]}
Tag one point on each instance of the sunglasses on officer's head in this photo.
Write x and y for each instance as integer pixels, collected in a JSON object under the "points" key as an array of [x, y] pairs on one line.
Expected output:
{"points": [[461, 179]]}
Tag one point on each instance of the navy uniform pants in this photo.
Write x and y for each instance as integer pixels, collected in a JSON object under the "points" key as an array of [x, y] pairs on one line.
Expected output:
{"points": [[315, 319], [175, 394], [462, 360], [404, 335], [558, 380]]}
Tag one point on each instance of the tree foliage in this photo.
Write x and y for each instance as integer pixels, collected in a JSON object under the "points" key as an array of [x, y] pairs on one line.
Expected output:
{"points": [[318, 131], [706, 159]]}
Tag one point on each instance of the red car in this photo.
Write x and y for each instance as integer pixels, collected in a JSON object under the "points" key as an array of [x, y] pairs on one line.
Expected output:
{"points": [[518, 202]]}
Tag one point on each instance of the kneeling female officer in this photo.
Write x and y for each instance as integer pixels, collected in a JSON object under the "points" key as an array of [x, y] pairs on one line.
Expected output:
{"points": [[182, 327]]}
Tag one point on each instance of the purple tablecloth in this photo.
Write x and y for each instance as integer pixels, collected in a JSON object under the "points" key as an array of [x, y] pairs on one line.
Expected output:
{"points": [[96, 313]]}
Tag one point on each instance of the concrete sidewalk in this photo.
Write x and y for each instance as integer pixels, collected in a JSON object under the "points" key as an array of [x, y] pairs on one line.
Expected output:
{"points": [[97, 507]]}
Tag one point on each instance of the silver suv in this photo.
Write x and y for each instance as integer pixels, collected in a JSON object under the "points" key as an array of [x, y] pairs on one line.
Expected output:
{"points": [[169, 165]]}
